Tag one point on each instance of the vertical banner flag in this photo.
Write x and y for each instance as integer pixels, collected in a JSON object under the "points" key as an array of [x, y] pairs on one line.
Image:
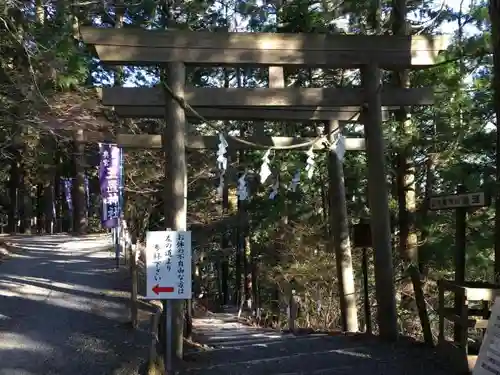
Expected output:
{"points": [[67, 185], [110, 183], [122, 179]]}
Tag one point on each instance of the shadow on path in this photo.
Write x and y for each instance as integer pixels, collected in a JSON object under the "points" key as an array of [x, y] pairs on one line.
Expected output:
{"points": [[64, 310], [238, 349]]}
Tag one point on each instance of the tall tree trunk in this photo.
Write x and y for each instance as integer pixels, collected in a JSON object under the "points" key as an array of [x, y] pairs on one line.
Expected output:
{"points": [[423, 254], [224, 268], [80, 222], [15, 218], [40, 224], [233, 210], [24, 200], [39, 12], [58, 191], [406, 171], [494, 10], [48, 186], [243, 238], [66, 16], [254, 277], [408, 241], [224, 262], [247, 268], [39, 208], [238, 262], [14, 182]]}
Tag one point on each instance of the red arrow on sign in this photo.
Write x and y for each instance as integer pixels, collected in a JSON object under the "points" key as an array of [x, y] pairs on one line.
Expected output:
{"points": [[157, 289]]}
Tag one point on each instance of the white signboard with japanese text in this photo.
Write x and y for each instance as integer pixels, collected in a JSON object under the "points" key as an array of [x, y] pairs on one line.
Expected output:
{"points": [[488, 361], [457, 201], [168, 264]]}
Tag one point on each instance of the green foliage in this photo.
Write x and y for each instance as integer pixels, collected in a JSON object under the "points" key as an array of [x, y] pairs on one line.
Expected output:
{"points": [[457, 133]]}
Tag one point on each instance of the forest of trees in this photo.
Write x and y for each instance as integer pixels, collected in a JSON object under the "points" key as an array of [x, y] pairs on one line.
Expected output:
{"points": [[46, 80]]}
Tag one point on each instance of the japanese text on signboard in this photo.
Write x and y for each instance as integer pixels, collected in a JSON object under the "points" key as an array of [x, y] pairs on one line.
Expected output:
{"points": [[110, 183], [459, 200], [168, 261], [180, 263]]}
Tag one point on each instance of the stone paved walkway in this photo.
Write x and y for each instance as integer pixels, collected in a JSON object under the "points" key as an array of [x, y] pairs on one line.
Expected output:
{"points": [[238, 349]]}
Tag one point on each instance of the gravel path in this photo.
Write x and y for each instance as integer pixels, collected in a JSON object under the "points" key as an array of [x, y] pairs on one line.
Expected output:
{"points": [[242, 350], [64, 310]]}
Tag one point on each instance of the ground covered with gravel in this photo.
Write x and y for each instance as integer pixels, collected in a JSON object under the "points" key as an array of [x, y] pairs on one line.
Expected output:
{"points": [[64, 310]]}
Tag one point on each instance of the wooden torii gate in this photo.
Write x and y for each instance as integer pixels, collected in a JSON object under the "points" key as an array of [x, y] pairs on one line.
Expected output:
{"points": [[175, 49]]}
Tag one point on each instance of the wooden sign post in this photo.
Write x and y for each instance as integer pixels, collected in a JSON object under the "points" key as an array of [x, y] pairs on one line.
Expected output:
{"points": [[460, 202], [362, 238]]}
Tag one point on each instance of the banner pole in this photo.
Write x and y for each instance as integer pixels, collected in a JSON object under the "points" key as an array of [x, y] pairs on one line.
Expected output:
{"points": [[120, 207], [116, 230]]}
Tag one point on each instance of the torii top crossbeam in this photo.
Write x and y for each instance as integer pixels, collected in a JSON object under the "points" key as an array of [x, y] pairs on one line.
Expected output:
{"points": [[148, 47]]}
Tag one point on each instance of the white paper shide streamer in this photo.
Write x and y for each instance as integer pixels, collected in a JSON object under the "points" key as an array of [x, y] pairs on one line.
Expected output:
{"points": [[295, 181], [310, 163], [265, 170], [221, 163], [339, 147], [275, 188], [242, 189]]}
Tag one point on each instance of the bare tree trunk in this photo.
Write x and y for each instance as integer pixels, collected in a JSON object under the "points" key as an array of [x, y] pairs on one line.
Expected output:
{"points": [[408, 241], [494, 10], [406, 173], [16, 178], [45, 193], [48, 192], [39, 12], [224, 262], [14, 182], [424, 216], [237, 266], [78, 187], [58, 191], [247, 269], [38, 203]]}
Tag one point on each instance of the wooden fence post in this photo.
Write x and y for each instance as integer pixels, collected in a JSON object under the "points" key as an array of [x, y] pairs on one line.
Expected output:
{"points": [[132, 247]]}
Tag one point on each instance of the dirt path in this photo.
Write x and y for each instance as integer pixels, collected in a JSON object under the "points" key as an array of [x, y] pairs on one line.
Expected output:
{"points": [[64, 310]]}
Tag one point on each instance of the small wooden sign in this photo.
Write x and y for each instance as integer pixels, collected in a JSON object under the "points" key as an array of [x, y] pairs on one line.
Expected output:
{"points": [[362, 236], [448, 202]]}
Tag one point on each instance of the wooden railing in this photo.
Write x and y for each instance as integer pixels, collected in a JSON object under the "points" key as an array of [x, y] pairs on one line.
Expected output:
{"points": [[133, 259], [464, 317]]}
